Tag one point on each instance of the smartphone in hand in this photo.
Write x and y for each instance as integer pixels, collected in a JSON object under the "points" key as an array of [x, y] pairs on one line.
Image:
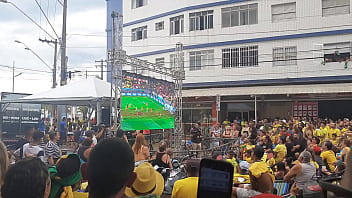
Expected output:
{"points": [[215, 179]]}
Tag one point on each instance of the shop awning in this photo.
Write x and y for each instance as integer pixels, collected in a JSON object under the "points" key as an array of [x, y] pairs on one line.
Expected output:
{"points": [[271, 90]]}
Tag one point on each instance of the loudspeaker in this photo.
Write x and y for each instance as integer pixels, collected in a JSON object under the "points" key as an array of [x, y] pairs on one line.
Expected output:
{"points": [[105, 116]]}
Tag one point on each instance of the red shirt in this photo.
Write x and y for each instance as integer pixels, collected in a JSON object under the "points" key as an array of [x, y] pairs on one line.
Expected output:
{"points": [[146, 132]]}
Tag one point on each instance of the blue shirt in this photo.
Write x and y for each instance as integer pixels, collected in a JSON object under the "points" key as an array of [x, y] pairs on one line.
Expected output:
{"points": [[63, 126], [41, 126]]}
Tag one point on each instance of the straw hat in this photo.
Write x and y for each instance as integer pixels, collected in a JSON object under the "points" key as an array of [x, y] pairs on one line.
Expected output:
{"points": [[148, 182]]}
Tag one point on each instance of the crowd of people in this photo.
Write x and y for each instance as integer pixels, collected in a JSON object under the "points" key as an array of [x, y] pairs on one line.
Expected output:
{"points": [[292, 151]]}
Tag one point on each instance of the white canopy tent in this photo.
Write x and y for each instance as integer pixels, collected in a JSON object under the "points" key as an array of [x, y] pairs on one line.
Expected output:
{"points": [[86, 92], [91, 92]]}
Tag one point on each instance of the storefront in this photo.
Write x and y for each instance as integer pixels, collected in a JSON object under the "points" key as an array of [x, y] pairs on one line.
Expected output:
{"points": [[241, 103]]}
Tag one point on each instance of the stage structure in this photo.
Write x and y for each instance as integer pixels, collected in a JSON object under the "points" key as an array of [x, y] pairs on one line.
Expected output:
{"points": [[119, 60]]}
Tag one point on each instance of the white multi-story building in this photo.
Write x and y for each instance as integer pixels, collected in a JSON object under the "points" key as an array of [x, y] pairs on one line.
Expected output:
{"points": [[293, 56]]}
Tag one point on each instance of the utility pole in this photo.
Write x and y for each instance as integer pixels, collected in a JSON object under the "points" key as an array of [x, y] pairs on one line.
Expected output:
{"points": [[55, 57], [101, 61], [13, 77], [63, 46]]}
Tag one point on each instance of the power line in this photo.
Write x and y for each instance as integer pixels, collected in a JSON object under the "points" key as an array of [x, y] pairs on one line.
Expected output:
{"points": [[259, 55], [220, 34], [21, 68], [40, 7], [19, 9], [187, 44]]}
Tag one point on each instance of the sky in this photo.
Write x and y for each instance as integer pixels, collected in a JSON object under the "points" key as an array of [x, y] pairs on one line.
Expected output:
{"points": [[86, 42]]}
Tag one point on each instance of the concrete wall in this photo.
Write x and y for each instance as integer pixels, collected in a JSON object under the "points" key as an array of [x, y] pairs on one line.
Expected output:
{"points": [[309, 19]]}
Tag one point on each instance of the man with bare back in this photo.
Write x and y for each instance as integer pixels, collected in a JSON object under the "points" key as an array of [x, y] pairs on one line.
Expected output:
{"points": [[261, 176]]}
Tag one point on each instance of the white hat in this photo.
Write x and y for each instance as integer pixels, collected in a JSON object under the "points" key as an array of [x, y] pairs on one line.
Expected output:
{"points": [[244, 165]]}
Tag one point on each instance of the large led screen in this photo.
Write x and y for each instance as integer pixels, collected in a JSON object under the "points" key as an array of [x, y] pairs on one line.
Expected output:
{"points": [[146, 103]]}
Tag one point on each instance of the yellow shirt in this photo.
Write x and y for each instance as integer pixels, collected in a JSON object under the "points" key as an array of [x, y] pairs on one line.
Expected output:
{"points": [[329, 157], [234, 163], [281, 152], [333, 131], [249, 147], [259, 168], [185, 188], [236, 177], [334, 142], [80, 195], [249, 160], [271, 162], [344, 130], [277, 126]]}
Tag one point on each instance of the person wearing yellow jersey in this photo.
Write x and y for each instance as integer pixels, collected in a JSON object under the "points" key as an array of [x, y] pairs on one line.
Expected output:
{"points": [[269, 158], [261, 176], [187, 188], [231, 157], [333, 130], [323, 131], [334, 140], [248, 156], [328, 156], [280, 150]]}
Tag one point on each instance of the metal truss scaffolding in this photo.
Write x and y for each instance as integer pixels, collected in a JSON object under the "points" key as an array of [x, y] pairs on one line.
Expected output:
{"points": [[118, 58]]}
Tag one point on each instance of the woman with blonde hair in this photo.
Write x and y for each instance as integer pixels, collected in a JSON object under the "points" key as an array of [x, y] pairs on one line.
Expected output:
{"points": [[4, 162], [140, 149]]}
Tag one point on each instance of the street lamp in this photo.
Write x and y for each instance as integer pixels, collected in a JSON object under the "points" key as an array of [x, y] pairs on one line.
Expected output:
{"points": [[18, 74], [29, 49]]}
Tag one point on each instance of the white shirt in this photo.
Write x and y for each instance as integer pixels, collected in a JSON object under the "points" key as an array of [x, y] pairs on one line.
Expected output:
{"points": [[18, 151], [95, 141], [34, 151]]}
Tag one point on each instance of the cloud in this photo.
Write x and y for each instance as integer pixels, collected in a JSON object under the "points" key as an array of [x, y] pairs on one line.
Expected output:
{"points": [[84, 17]]}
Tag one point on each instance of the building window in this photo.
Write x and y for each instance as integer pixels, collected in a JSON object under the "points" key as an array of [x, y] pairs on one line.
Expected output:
{"points": [[176, 25], [283, 12], [335, 7], [239, 15], [159, 26], [139, 33], [285, 56], [160, 62], [201, 20], [173, 60], [337, 52], [201, 59], [138, 3], [246, 56]]}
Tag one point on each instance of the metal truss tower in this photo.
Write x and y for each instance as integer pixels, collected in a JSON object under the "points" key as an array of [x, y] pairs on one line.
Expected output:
{"points": [[178, 78], [117, 66], [118, 58]]}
